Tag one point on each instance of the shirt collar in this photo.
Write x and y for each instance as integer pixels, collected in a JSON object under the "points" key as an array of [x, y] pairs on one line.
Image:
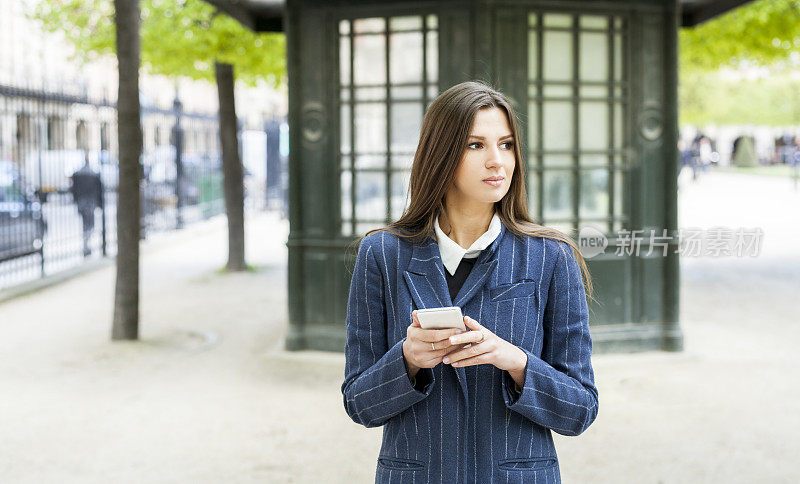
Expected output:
{"points": [[452, 253]]}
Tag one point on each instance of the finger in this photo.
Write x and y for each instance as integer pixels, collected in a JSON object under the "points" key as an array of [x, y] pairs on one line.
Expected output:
{"points": [[433, 360], [444, 344], [455, 348], [465, 353], [440, 353], [468, 337], [413, 333], [471, 323], [441, 347], [475, 360], [414, 319], [434, 335]]}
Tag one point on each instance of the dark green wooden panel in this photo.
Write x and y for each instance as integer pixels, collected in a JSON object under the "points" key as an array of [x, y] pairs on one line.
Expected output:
{"points": [[509, 58], [456, 47], [653, 297], [316, 267], [612, 285]]}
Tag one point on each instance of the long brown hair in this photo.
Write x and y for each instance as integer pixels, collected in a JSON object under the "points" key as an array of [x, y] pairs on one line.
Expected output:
{"points": [[446, 127]]}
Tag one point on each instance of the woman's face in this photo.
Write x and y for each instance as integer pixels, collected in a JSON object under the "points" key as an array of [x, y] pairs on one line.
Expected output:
{"points": [[489, 155]]}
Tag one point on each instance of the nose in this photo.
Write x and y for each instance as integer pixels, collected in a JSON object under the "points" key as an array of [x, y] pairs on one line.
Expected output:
{"points": [[493, 157]]}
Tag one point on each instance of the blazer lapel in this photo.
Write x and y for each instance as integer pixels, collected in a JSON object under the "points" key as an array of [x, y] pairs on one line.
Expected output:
{"points": [[483, 268], [475, 280], [425, 277]]}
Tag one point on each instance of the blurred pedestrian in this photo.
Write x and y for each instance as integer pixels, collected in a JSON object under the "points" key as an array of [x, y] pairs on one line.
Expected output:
{"points": [[87, 192], [694, 155], [787, 149], [685, 154], [706, 153]]}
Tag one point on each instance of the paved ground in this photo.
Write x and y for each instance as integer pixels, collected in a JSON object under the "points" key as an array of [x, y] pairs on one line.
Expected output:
{"points": [[209, 396]]}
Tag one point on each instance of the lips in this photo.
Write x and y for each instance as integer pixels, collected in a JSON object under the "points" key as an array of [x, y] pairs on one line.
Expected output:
{"points": [[494, 181]]}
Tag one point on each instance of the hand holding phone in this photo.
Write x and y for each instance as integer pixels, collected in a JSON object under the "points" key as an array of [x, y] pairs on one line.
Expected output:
{"points": [[425, 346]]}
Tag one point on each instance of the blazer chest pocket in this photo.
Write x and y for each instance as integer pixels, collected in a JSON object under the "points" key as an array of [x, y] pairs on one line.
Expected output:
{"points": [[522, 288]]}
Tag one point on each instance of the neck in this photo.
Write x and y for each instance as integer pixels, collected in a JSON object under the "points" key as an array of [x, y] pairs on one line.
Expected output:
{"points": [[465, 225]]}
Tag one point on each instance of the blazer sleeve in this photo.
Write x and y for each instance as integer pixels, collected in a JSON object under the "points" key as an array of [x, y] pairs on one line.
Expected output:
{"points": [[377, 385], [559, 390]]}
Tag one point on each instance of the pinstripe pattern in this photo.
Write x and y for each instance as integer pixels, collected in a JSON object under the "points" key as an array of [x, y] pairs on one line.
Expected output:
{"points": [[466, 421]]}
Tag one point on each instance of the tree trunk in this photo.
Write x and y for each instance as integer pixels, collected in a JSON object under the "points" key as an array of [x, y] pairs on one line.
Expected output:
{"points": [[126, 296], [231, 167]]}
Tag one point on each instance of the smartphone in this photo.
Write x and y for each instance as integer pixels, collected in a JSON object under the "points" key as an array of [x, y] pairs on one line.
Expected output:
{"points": [[441, 318]]}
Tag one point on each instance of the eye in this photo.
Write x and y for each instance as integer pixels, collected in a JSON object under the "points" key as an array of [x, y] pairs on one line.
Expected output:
{"points": [[509, 143]]}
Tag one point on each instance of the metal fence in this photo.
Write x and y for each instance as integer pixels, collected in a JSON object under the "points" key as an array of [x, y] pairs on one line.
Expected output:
{"points": [[50, 220]]}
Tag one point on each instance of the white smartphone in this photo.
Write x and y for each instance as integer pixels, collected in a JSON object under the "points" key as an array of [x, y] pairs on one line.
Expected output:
{"points": [[441, 318]]}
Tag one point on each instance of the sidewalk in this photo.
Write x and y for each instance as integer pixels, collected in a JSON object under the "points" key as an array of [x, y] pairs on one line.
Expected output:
{"points": [[209, 396]]}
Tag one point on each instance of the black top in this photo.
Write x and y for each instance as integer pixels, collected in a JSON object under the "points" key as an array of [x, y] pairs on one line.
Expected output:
{"points": [[455, 281]]}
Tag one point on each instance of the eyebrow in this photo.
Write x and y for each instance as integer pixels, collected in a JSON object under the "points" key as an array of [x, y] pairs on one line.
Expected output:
{"points": [[502, 138]]}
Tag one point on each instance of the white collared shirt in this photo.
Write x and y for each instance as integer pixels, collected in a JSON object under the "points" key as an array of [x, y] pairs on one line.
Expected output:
{"points": [[452, 253]]}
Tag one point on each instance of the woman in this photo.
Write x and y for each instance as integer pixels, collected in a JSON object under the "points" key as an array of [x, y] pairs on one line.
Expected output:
{"points": [[475, 406]]}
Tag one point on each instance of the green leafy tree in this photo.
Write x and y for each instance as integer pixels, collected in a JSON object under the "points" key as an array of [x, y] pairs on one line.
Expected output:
{"points": [[760, 34], [178, 38]]}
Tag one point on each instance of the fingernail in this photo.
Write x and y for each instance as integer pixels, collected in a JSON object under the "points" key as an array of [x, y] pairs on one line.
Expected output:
{"points": [[452, 339], [446, 360]]}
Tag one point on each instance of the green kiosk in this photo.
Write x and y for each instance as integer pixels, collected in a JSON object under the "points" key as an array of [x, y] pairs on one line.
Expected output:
{"points": [[594, 84]]}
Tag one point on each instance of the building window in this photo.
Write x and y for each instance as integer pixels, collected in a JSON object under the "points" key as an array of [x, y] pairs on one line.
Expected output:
{"points": [[577, 121], [104, 145], [55, 133], [24, 133], [388, 75], [82, 136]]}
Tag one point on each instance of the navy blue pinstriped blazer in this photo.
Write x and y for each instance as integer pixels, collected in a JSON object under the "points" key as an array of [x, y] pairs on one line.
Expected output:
{"points": [[468, 424]]}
